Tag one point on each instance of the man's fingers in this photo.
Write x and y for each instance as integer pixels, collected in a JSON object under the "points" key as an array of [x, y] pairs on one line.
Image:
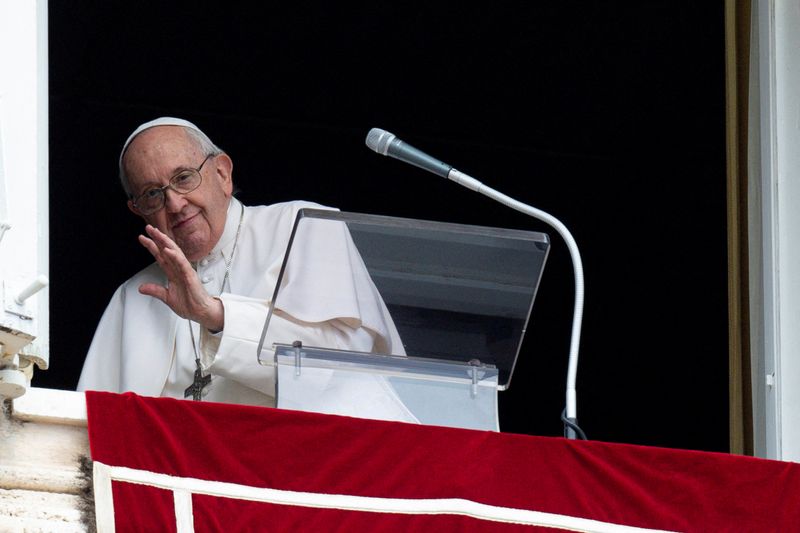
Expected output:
{"points": [[166, 253], [178, 262], [150, 245], [154, 290], [161, 238], [184, 294], [157, 254]]}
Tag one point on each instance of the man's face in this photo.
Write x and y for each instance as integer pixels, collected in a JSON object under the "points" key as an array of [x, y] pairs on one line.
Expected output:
{"points": [[194, 220]]}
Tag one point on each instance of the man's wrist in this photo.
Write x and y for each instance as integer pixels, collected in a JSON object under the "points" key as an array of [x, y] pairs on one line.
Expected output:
{"points": [[215, 322]]}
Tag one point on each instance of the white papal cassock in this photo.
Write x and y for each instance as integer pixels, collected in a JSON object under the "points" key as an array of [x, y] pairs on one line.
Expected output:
{"points": [[142, 346]]}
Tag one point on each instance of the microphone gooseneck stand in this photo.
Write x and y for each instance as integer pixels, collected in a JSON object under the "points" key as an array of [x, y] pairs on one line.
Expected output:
{"points": [[570, 417], [386, 143]]}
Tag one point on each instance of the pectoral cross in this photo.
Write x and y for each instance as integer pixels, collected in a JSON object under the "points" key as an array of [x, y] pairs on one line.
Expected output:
{"points": [[195, 390]]}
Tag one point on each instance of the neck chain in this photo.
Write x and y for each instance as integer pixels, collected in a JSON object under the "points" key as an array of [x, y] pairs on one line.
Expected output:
{"points": [[195, 390], [233, 251]]}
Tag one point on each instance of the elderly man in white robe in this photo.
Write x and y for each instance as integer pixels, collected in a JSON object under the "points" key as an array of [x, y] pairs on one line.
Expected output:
{"points": [[189, 324]]}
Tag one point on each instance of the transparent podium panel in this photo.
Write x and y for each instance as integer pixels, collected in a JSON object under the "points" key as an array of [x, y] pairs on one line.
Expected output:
{"points": [[436, 300], [386, 387]]}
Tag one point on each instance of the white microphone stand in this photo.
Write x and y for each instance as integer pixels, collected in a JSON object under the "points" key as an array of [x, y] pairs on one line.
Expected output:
{"points": [[570, 420], [386, 143]]}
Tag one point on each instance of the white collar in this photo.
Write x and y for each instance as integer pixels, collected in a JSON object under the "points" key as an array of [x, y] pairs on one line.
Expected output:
{"points": [[226, 241]]}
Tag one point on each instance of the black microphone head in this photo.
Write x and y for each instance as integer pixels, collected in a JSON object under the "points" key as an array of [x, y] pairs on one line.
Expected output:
{"points": [[378, 140]]}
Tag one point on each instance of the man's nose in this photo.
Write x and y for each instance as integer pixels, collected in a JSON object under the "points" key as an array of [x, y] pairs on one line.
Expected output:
{"points": [[173, 201]]}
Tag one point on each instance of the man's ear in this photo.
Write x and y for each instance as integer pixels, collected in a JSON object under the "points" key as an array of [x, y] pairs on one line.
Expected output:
{"points": [[224, 166], [133, 209]]}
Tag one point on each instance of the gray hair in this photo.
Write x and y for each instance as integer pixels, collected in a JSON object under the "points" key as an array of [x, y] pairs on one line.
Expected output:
{"points": [[197, 137]]}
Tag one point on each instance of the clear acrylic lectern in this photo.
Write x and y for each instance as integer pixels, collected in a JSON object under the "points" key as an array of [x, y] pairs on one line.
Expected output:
{"points": [[430, 317]]}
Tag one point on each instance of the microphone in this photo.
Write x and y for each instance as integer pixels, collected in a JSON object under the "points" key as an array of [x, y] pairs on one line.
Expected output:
{"points": [[386, 143]]}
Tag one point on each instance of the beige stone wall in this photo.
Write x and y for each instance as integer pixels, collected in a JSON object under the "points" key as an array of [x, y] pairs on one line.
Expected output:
{"points": [[43, 439]]}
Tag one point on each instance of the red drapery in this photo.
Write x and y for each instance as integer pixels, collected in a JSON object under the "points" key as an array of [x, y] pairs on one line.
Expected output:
{"points": [[332, 473]]}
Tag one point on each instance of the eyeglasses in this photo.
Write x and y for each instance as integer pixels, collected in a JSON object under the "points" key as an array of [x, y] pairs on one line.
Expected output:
{"points": [[183, 182]]}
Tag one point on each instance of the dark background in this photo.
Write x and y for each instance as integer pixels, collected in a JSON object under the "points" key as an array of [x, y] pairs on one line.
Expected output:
{"points": [[609, 116]]}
